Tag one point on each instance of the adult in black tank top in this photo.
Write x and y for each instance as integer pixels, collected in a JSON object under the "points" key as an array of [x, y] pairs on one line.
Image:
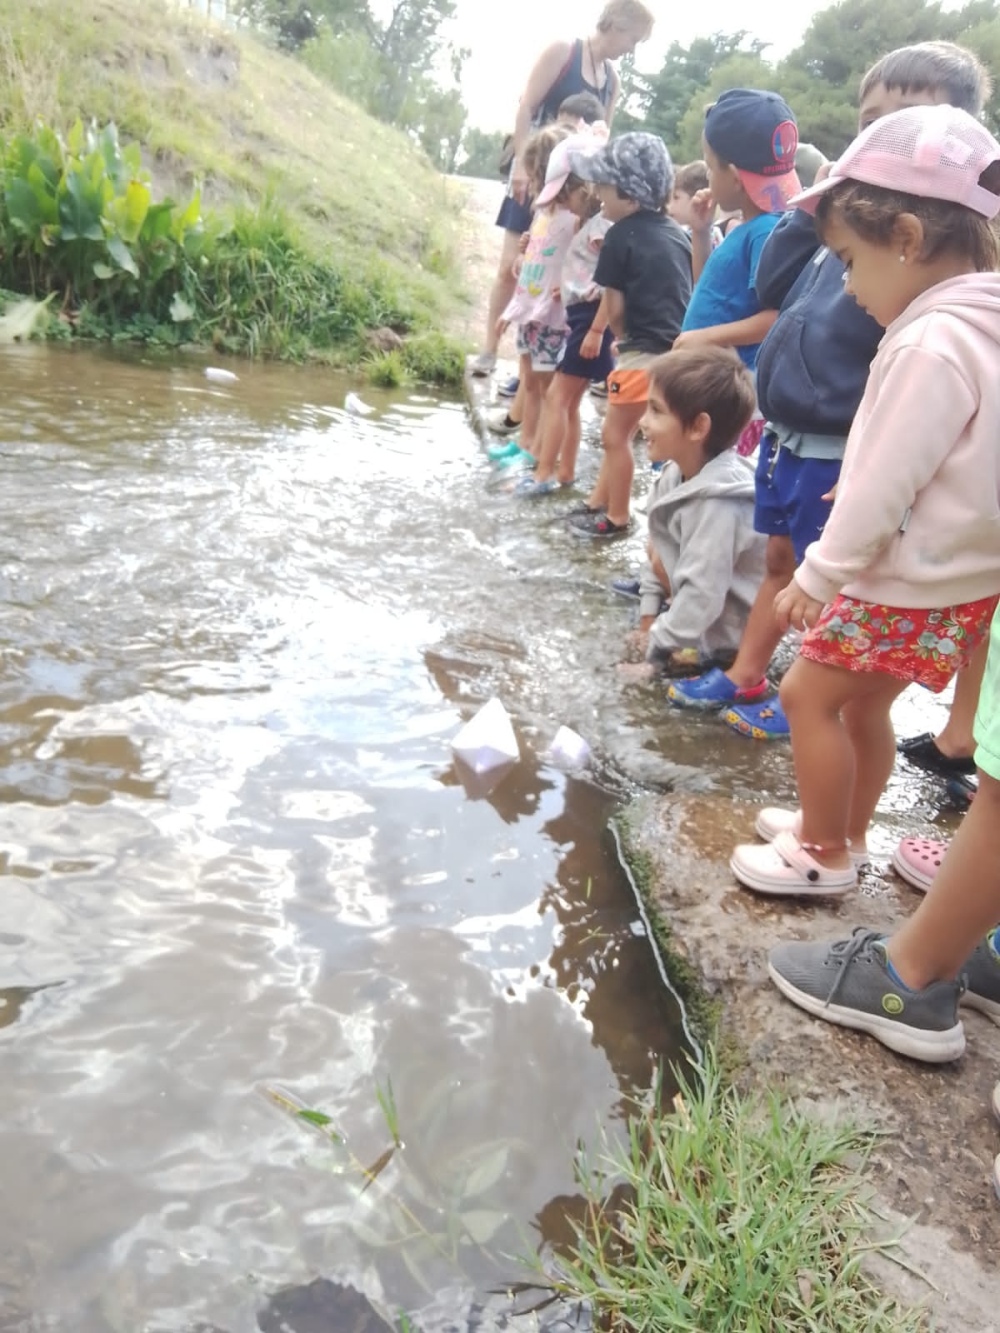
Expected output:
{"points": [[564, 68]]}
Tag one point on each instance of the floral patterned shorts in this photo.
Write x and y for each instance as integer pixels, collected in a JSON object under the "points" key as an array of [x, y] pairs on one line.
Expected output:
{"points": [[927, 647], [543, 343]]}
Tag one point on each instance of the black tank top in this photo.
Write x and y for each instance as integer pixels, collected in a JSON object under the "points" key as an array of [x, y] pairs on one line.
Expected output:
{"points": [[571, 81]]}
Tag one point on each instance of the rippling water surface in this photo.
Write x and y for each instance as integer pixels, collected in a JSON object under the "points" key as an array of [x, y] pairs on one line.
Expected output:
{"points": [[240, 629], [240, 871]]}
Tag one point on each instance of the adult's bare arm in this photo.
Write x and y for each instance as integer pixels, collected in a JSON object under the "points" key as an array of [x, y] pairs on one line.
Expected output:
{"points": [[547, 69]]}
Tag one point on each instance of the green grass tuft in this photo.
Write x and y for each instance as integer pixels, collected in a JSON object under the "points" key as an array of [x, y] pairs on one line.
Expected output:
{"points": [[731, 1213]]}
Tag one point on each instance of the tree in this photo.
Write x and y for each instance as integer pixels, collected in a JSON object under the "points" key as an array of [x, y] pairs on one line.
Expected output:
{"points": [[661, 100], [480, 153]]}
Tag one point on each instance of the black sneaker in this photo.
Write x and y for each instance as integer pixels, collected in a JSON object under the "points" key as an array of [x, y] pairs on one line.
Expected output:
{"points": [[582, 508], [848, 983], [598, 526], [922, 752]]}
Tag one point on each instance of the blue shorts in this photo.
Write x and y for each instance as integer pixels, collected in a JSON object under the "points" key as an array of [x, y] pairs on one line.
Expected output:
{"points": [[514, 216], [788, 494], [579, 318]]}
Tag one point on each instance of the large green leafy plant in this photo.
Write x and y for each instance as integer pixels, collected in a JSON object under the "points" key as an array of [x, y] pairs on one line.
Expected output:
{"points": [[77, 218]]}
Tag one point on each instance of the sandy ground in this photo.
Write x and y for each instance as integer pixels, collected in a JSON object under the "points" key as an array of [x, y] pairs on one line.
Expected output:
{"points": [[931, 1170]]}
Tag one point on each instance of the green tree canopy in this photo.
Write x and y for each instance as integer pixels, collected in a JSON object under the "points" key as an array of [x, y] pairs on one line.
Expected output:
{"points": [[819, 79]]}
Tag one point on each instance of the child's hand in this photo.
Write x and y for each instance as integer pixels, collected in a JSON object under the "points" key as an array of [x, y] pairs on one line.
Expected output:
{"points": [[693, 338], [591, 345], [557, 293], [702, 211], [516, 267], [831, 494], [636, 645], [795, 609]]}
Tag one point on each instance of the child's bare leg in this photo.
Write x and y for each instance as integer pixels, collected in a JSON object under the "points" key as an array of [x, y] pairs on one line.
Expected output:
{"points": [[565, 395], [762, 633], [869, 726], [571, 444], [620, 423], [963, 902], [555, 422], [955, 739], [658, 569], [534, 401], [814, 696]]}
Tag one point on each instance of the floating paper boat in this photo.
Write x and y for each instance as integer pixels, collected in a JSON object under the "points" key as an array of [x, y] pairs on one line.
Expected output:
{"points": [[487, 740], [219, 376], [354, 405], [569, 747]]}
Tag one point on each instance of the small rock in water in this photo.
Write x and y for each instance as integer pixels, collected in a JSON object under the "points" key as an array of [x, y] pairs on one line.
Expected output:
{"points": [[569, 747], [219, 376], [487, 740], [354, 405]]}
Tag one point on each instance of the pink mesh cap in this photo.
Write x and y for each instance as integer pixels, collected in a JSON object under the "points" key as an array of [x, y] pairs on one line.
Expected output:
{"points": [[935, 152]]}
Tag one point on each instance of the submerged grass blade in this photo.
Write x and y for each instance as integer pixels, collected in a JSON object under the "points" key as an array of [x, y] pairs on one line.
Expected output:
{"points": [[387, 1104]]}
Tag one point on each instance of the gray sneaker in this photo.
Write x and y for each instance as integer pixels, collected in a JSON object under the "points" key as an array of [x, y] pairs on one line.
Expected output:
{"points": [[848, 983], [982, 980]]}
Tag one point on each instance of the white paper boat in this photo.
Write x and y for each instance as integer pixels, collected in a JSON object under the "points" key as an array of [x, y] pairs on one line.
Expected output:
{"points": [[487, 740], [569, 747], [219, 376], [354, 405]]}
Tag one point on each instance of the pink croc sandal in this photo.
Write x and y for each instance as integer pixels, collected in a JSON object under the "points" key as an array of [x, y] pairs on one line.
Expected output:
{"points": [[917, 861], [784, 869]]}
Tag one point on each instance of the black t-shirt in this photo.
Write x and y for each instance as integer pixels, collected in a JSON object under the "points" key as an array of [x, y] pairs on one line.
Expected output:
{"points": [[647, 257]]}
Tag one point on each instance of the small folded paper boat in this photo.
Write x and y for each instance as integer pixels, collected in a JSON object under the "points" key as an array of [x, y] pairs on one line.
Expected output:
{"points": [[487, 740]]}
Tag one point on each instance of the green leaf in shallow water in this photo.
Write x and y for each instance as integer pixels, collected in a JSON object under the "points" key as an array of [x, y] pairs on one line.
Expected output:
{"points": [[487, 1170], [320, 1120], [482, 1224]]}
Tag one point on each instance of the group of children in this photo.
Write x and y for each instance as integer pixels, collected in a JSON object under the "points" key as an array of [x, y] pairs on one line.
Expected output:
{"points": [[860, 319]]}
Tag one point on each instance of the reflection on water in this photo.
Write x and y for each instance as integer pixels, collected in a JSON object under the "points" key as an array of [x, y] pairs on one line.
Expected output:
{"points": [[240, 628]]}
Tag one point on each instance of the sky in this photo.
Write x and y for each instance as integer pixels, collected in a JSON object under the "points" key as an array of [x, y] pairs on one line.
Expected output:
{"points": [[507, 36]]}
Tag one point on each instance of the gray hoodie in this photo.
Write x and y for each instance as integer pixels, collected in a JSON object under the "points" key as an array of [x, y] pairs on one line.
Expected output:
{"points": [[702, 530]]}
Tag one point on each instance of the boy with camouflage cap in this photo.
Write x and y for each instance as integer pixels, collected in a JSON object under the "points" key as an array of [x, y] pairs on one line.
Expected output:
{"points": [[645, 269]]}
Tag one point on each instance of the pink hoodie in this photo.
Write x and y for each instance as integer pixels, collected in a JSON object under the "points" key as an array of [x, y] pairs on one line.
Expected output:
{"points": [[916, 521]]}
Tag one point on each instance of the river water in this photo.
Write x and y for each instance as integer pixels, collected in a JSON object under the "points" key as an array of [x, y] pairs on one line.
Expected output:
{"points": [[240, 628], [242, 875]]}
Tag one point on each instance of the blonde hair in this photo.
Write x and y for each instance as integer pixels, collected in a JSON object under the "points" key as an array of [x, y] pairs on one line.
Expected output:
{"points": [[538, 150], [626, 14]]}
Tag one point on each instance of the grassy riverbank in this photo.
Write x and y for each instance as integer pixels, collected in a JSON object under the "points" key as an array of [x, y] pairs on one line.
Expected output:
{"points": [[319, 189]]}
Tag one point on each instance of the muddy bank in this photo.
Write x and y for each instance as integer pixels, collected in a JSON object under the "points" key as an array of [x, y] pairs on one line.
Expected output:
{"points": [[931, 1170], [934, 1163]]}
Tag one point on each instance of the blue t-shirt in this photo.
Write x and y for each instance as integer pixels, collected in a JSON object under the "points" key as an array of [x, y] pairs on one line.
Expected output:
{"points": [[725, 291]]}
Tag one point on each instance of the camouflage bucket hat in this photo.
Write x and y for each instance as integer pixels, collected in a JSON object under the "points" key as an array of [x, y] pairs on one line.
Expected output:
{"points": [[637, 163]]}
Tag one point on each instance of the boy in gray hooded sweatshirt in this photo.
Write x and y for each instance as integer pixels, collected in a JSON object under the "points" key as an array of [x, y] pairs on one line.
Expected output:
{"points": [[704, 556]]}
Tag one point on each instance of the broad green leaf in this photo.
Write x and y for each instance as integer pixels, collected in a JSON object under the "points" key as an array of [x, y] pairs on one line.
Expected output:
{"points": [[127, 212], [122, 256], [75, 139], [486, 1171], [157, 222], [24, 208], [103, 271], [79, 213]]}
